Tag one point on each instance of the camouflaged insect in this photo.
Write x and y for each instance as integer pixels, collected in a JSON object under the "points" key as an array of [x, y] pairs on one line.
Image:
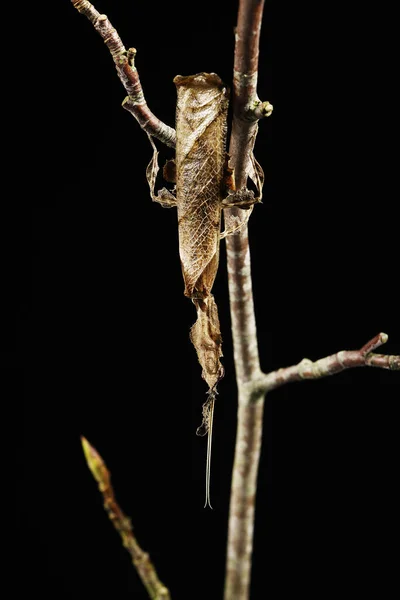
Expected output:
{"points": [[204, 187]]}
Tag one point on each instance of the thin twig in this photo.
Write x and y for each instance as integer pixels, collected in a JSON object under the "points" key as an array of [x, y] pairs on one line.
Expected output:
{"points": [[247, 364], [140, 559], [124, 61], [346, 359], [246, 105]]}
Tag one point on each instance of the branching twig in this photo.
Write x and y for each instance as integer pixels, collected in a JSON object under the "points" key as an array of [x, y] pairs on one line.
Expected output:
{"points": [[252, 383], [124, 61], [141, 560], [346, 359], [247, 109]]}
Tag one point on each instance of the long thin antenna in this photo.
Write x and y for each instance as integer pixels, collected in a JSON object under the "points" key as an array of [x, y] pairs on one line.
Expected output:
{"points": [[209, 446]]}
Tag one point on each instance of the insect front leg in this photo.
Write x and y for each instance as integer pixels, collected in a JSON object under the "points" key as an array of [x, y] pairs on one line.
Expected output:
{"points": [[243, 198], [164, 197]]}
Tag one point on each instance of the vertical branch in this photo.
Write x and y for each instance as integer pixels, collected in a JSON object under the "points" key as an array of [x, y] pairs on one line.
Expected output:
{"points": [[242, 307], [243, 496], [250, 411], [244, 128]]}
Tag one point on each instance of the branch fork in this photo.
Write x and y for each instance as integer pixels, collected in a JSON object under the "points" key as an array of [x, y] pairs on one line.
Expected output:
{"points": [[252, 383], [124, 60], [345, 359]]}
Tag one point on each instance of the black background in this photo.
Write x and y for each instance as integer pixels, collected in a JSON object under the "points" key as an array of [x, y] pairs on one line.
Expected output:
{"points": [[97, 342]]}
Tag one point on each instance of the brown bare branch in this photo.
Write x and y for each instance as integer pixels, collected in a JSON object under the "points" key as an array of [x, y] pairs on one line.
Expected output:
{"points": [[135, 102], [346, 359], [140, 559], [249, 434]]}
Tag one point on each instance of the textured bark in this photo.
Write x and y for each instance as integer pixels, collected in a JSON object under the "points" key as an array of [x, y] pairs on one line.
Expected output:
{"points": [[241, 147], [135, 102], [243, 494], [244, 332], [247, 364]]}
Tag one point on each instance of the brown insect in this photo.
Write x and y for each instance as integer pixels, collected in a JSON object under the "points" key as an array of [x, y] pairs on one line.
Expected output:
{"points": [[203, 183]]}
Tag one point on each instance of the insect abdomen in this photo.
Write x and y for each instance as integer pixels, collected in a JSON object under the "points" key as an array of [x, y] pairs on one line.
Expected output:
{"points": [[200, 158]]}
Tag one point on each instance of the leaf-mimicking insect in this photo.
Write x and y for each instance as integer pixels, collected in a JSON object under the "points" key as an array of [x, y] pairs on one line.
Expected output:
{"points": [[203, 182]]}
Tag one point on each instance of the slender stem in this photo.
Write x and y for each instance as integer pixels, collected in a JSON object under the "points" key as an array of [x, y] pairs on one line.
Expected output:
{"points": [[141, 560], [345, 359], [244, 332], [241, 145], [124, 61], [243, 496], [250, 410]]}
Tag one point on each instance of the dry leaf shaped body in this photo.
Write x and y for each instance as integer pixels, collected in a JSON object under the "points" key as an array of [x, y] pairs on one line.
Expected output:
{"points": [[201, 115]]}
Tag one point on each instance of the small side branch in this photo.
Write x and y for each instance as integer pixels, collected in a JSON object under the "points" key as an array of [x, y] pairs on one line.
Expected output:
{"points": [[345, 359], [140, 559], [124, 60]]}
